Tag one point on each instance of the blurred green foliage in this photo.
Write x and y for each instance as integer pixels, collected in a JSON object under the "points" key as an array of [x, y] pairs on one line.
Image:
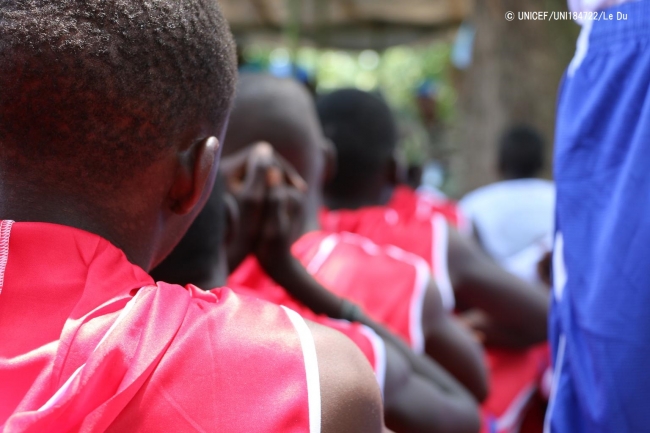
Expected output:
{"points": [[398, 73]]}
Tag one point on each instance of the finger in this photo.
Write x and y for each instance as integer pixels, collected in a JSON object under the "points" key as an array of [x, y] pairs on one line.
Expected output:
{"points": [[274, 177], [295, 200], [293, 178], [479, 336], [233, 169], [230, 162], [259, 162], [276, 218], [251, 197]]}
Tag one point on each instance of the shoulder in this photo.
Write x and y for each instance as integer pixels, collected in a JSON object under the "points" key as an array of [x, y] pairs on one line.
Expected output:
{"points": [[475, 200], [236, 353], [545, 187], [368, 248], [350, 395], [223, 318], [375, 262]]}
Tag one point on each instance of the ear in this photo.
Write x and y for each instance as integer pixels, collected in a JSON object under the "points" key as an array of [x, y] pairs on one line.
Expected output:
{"points": [[330, 157], [195, 176]]}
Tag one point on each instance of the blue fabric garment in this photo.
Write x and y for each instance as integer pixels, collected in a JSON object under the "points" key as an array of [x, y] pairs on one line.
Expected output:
{"points": [[600, 319]]}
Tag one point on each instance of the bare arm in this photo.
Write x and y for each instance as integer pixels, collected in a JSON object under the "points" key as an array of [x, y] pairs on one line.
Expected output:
{"points": [[513, 306], [493, 333], [447, 342], [350, 397], [268, 193], [414, 384], [453, 346], [429, 402], [248, 175], [415, 403], [274, 255]]}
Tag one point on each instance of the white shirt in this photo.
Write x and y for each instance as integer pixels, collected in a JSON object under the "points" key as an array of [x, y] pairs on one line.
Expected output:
{"points": [[515, 221]]}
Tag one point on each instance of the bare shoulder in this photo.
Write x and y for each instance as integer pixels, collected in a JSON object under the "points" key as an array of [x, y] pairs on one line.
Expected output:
{"points": [[350, 396]]}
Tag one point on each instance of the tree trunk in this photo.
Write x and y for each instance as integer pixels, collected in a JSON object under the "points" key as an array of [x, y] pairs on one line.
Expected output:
{"points": [[514, 77]]}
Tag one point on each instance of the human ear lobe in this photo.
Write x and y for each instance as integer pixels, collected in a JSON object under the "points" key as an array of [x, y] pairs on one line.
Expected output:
{"points": [[195, 176]]}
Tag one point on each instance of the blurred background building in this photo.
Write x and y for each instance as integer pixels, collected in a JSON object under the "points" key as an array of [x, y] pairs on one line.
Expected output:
{"points": [[455, 72]]}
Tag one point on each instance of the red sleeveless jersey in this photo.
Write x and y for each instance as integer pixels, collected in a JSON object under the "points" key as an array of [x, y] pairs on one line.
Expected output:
{"points": [[426, 238], [387, 282], [250, 279], [514, 376], [88, 342], [424, 204]]}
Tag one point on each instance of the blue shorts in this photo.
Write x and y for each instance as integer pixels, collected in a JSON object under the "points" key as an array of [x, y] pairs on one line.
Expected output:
{"points": [[600, 318]]}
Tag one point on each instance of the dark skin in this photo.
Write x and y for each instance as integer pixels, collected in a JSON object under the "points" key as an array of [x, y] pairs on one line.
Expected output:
{"points": [[505, 310], [513, 315], [298, 140], [152, 218], [149, 213], [419, 395]]}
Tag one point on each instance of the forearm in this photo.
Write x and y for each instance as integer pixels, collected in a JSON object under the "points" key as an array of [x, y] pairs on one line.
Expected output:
{"points": [[415, 403], [454, 348], [289, 273], [494, 334], [505, 338], [481, 284], [522, 315], [433, 372], [422, 365]]}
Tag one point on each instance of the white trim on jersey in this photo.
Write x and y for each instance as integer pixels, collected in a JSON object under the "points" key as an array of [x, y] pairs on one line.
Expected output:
{"points": [[559, 360], [325, 249], [60, 393], [416, 304], [379, 348], [311, 368], [439, 247], [368, 246], [5, 233], [513, 416], [422, 278]]}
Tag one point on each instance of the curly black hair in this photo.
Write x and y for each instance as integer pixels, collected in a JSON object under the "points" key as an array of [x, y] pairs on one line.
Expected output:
{"points": [[91, 89], [363, 130], [521, 152]]}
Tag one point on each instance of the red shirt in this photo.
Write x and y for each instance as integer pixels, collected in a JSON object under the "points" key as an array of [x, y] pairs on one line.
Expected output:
{"points": [[89, 342], [424, 204], [515, 378], [426, 238], [387, 282], [370, 344], [514, 375]]}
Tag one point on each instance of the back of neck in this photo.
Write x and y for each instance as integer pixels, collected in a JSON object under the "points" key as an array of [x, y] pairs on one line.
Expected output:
{"points": [[26, 203]]}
